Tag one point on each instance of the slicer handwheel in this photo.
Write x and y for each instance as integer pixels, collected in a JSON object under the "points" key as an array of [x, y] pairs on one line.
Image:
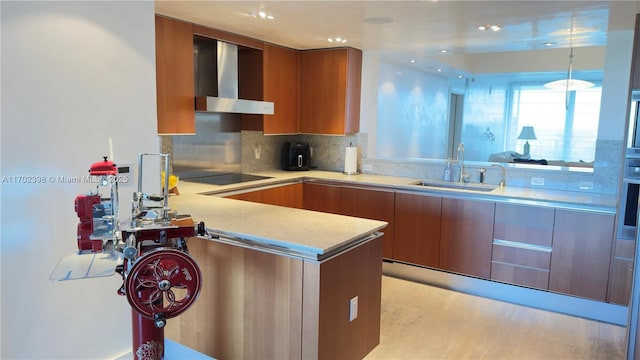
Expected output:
{"points": [[163, 282]]}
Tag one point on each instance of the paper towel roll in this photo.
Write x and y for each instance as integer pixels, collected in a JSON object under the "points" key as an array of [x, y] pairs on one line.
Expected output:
{"points": [[351, 160]]}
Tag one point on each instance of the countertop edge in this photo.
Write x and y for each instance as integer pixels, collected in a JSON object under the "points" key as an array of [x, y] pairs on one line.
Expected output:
{"points": [[296, 251]]}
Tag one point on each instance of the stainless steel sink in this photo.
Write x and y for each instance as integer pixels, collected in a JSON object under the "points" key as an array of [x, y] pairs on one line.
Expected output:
{"points": [[456, 185]]}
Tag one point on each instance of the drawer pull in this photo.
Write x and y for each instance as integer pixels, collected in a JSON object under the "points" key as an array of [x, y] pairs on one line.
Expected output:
{"points": [[521, 245]]}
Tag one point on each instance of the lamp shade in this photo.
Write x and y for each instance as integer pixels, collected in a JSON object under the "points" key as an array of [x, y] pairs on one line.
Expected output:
{"points": [[568, 84], [527, 133]]}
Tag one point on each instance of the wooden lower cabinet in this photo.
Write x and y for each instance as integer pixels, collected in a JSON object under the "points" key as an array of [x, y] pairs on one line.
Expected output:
{"points": [[560, 250], [522, 238], [328, 289], [521, 266], [524, 224], [466, 236], [581, 254], [257, 305], [621, 280], [364, 202], [371, 203], [322, 197], [417, 229], [287, 195], [250, 305], [621, 276]]}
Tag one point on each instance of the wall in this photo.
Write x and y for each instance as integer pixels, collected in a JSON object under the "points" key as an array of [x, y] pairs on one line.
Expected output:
{"points": [[73, 75], [615, 85]]}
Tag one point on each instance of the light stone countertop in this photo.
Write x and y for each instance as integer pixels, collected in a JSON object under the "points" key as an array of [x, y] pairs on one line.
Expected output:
{"points": [[316, 234], [304, 233], [534, 196]]}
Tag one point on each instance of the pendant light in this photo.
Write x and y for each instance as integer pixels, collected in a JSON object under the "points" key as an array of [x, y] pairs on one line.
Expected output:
{"points": [[569, 84]]}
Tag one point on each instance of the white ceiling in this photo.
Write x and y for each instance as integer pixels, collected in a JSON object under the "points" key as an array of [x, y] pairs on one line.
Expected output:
{"points": [[419, 29]]}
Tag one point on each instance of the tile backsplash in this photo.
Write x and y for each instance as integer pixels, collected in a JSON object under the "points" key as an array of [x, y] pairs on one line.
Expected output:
{"points": [[327, 152]]}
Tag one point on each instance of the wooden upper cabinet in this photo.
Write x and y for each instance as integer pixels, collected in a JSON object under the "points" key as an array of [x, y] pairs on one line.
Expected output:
{"points": [[330, 82], [581, 254], [174, 76], [281, 82], [278, 79]]}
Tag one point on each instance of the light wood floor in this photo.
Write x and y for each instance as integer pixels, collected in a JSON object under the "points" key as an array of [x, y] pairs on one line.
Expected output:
{"points": [[425, 322]]}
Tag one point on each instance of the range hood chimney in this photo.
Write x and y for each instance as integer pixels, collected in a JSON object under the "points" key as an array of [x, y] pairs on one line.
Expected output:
{"points": [[217, 87]]}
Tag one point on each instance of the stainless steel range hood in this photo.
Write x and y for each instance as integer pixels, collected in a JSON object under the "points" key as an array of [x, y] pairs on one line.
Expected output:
{"points": [[216, 80]]}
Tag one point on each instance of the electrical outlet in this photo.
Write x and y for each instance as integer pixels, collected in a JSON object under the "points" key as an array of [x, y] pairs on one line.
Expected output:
{"points": [[537, 181], [367, 168], [353, 309], [257, 151]]}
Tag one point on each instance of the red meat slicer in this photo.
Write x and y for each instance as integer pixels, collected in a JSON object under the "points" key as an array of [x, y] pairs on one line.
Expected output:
{"points": [[160, 279]]}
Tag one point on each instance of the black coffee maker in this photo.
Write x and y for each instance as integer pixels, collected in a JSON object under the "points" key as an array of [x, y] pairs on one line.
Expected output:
{"points": [[296, 156]]}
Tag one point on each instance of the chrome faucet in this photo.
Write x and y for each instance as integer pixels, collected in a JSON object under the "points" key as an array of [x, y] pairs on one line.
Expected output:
{"points": [[464, 177], [503, 174]]}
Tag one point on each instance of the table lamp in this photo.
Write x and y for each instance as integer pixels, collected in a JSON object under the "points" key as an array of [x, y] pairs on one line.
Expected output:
{"points": [[527, 133]]}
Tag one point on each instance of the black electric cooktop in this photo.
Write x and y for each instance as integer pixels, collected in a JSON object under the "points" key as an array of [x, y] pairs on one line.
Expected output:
{"points": [[216, 177]]}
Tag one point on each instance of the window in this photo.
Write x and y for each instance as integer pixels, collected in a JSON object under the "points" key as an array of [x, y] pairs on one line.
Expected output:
{"points": [[566, 124], [500, 105]]}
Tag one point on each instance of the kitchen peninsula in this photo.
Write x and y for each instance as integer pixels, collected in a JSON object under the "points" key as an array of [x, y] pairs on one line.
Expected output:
{"points": [[281, 282]]}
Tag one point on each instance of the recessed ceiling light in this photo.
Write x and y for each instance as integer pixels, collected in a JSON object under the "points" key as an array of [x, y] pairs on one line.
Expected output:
{"points": [[337, 40], [549, 44], [262, 15], [413, 61], [492, 27], [444, 51]]}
